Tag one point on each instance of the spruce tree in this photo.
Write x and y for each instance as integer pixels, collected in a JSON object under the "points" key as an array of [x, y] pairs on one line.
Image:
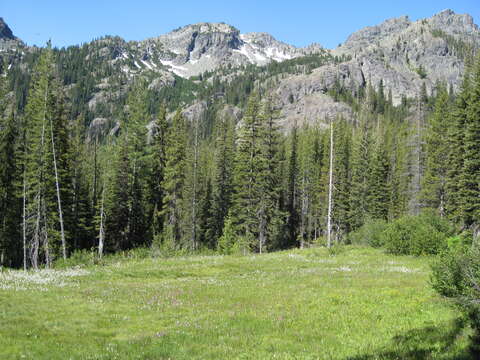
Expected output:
{"points": [[342, 178], [81, 231], [361, 173], [174, 180], [248, 166], [118, 208], [223, 177], [379, 186], [456, 151], [397, 134], [136, 140], [292, 191], [158, 160], [270, 216], [39, 180], [436, 147], [470, 177], [207, 223], [10, 245]]}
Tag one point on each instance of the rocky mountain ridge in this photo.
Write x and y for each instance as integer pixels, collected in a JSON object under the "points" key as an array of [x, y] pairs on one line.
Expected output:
{"points": [[7, 39], [404, 55], [195, 49]]}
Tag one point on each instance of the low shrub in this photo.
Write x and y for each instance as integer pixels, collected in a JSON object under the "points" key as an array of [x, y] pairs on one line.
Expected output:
{"points": [[78, 258], [336, 249], [371, 233], [425, 234], [90, 257], [456, 275]]}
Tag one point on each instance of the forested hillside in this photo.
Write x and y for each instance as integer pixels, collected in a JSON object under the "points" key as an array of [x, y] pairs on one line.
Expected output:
{"points": [[101, 158]]}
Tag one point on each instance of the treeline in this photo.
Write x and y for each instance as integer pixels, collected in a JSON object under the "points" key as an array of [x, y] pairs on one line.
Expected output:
{"points": [[238, 188]]}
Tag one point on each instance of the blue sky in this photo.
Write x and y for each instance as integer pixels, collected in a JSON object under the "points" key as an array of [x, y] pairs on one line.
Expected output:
{"points": [[298, 22]]}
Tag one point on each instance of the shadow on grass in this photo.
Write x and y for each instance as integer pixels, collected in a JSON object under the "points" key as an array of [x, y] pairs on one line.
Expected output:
{"points": [[430, 342]]}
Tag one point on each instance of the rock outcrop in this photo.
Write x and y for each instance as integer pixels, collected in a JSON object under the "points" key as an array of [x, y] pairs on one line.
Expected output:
{"points": [[403, 54]]}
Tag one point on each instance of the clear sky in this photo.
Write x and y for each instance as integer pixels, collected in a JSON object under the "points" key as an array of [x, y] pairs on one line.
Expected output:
{"points": [[298, 22]]}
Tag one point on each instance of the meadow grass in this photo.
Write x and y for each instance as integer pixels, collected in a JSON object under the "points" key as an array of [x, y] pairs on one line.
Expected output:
{"points": [[300, 304]]}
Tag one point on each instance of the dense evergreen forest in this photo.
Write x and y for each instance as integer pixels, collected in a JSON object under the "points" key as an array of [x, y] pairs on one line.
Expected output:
{"points": [[163, 182]]}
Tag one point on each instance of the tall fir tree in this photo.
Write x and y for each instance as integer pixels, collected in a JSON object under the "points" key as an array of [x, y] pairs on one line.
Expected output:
{"points": [[470, 177], [456, 151], [379, 179], [10, 245], [342, 178], [436, 147], [271, 219], [223, 178], [361, 172], [174, 180], [158, 161], [41, 192], [292, 191], [246, 172]]}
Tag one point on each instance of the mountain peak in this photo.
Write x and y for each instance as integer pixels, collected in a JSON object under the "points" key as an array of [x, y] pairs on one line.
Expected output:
{"points": [[5, 31], [446, 12], [369, 34], [450, 22], [207, 27]]}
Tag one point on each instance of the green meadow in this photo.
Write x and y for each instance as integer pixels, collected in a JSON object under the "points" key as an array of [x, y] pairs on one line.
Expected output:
{"points": [[355, 303]]}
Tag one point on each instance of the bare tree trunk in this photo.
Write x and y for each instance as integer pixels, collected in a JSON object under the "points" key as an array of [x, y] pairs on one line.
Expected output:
{"points": [[36, 236], [330, 190], [46, 243], [262, 227], [304, 211], [417, 163], [194, 195], [24, 221], [59, 201], [39, 195], [101, 232], [95, 173]]}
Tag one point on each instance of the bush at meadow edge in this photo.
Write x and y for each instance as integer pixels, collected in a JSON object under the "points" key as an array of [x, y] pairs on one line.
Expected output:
{"points": [[425, 234]]}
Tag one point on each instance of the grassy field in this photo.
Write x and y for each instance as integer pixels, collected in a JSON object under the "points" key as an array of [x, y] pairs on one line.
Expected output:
{"points": [[301, 304]]}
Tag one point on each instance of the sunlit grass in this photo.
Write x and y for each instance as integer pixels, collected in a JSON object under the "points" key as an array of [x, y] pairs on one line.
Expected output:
{"points": [[300, 304]]}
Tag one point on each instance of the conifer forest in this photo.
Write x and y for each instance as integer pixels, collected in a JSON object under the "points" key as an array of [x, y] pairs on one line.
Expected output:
{"points": [[256, 165]]}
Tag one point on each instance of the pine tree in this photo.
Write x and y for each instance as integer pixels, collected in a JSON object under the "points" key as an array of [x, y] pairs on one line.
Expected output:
{"points": [[381, 98], [81, 231], [379, 187], [118, 208], [223, 181], [292, 191], [10, 246], [270, 215], [174, 180], [126, 226], [397, 135], [309, 162], [436, 147], [192, 188], [62, 156], [136, 140], [416, 156], [319, 188], [158, 160], [207, 222], [342, 178], [470, 177], [361, 173], [456, 151], [247, 169], [39, 183]]}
